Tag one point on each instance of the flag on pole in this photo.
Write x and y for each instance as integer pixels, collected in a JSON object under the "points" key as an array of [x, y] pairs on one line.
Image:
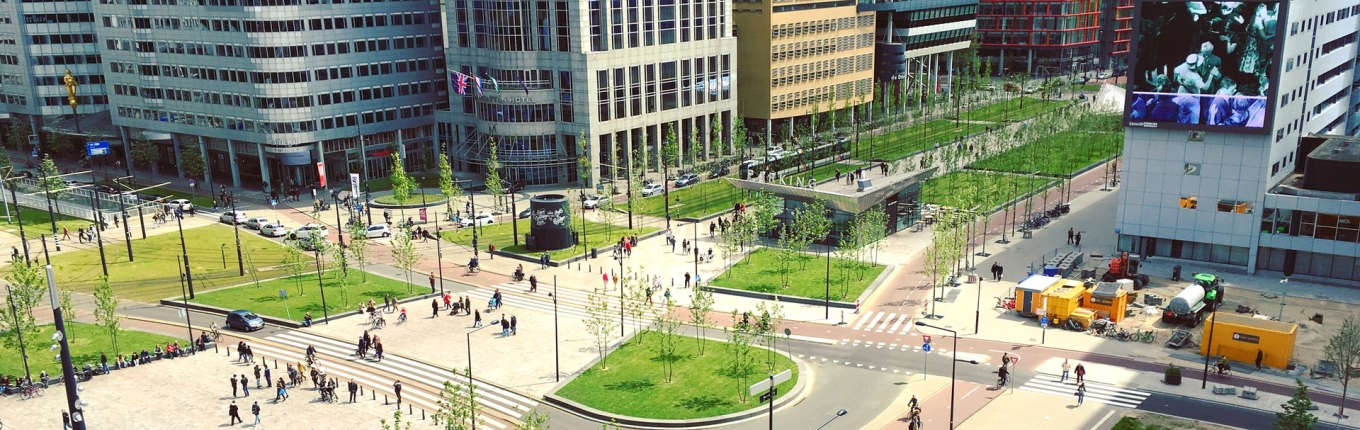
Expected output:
{"points": [[494, 84], [478, 81], [459, 84]]}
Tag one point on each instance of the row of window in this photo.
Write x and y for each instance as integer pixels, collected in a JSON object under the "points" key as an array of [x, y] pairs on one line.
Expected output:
{"points": [[1037, 8], [494, 112], [55, 18], [49, 60], [650, 25], [505, 26], [227, 123], [374, 93], [247, 3], [244, 51], [1066, 37], [390, 114], [82, 100], [249, 101], [808, 97], [400, 42], [45, 39], [58, 80], [819, 70], [820, 26], [11, 99], [1342, 228], [828, 46], [681, 84]]}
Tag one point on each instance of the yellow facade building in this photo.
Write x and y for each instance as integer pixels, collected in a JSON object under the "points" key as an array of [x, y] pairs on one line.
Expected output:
{"points": [[797, 54]]}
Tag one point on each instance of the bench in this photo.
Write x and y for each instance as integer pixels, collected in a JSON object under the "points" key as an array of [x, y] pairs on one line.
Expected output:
{"points": [[1220, 389], [1248, 393]]}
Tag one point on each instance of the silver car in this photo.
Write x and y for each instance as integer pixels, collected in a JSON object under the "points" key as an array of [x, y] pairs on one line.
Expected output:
{"points": [[255, 222]]}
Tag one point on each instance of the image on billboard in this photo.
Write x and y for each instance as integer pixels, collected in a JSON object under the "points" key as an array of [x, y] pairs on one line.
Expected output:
{"points": [[1204, 65]]}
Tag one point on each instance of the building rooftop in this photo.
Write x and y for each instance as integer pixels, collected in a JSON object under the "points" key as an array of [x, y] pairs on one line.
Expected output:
{"points": [[838, 194], [1338, 148]]}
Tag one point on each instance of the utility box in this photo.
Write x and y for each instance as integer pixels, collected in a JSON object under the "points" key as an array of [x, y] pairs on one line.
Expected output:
{"points": [[1108, 300], [1239, 337], [1066, 296]]}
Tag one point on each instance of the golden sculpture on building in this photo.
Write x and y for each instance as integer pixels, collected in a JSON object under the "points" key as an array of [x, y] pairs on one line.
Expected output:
{"points": [[70, 82]]}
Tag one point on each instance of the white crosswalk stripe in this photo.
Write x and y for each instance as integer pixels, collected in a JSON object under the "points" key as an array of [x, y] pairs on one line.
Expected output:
{"points": [[571, 302], [1095, 392], [884, 322], [502, 401]]}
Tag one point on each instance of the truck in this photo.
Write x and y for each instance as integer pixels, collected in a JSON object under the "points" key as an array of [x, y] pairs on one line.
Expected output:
{"points": [[1123, 267], [1189, 307]]}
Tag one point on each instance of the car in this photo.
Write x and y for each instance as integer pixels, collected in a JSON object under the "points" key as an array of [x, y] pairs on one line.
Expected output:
{"points": [[255, 222], [653, 189], [107, 189], [244, 320], [306, 231], [1080, 80], [307, 244], [512, 186], [182, 204], [686, 180], [274, 229], [1103, 75], [719, 171], [483, 218], [378, 230], [991, 88], [774, 155], [592, 201], [525, 213], [233, 217]]}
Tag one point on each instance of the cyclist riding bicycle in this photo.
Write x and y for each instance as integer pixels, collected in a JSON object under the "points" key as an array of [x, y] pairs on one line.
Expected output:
{"points": [[473, 265], [311, 353], [402, 318], [215, 330]]}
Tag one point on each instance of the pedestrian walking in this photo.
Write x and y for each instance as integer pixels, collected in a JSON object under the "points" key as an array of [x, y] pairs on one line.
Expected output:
{"points": [[396, 387], [233, 385], [1081, 393], [605, 280], [1006, 359], [1081, 373], [998, 270], [686, 279], [514, 323], [533, 283], [257, 376], [505, 326], [1077, 241], [234, 413], [431, 281], [65, 233], [1065, 368], [255, 410], [266, 376], [245, 386], [104, 362], [1260, 355], [282, 391], [353, 390], [434, 306], [377, 349], [477, 318], [1069, 235], [667, 302], [543, 260]]}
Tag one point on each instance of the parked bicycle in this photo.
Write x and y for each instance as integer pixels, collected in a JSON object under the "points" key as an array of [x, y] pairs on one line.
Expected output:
{"points": [[30, 390]]}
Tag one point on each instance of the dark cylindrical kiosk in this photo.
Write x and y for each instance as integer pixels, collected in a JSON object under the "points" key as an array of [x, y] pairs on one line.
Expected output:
{"points": [[550, 222]]}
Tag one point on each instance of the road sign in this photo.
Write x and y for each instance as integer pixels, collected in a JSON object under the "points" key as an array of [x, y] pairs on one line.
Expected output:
{"points": [[925, 339], [769, 395], [283, 294], [1043, 322], [764, 384], [925, 347], [97, 148]]}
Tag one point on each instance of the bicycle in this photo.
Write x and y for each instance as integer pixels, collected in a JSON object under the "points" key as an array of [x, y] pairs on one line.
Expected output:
{"points": [[30, 391], [215, 334], [1146, 336], [377, 321]]}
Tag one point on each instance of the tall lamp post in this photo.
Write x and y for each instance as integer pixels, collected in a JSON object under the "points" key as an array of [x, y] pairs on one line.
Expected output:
{"points": [[184, 250], [1208, 352], [68, 371], [839, 414], [469, 368], [953, 368]]}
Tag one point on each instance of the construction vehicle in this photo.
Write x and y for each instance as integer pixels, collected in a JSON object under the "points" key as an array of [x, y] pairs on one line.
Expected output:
{"points": [[1123, 267], [1203, 296]]}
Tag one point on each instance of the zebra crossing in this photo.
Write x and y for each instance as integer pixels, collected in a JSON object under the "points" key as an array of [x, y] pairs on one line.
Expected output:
{"points": [[1095, 392], [571, 302], [884, 322], [422, 382]]}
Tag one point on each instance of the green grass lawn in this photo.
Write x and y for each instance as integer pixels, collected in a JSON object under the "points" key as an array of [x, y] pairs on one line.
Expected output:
{"points": [[596, 235], [1016, 109], [86, 341], [265, 299], [155, 275], [426, 180], [706, 198], [827, 171], [1057, 155], [921, 136], [431, 196], [634, 384], [983, 189], [38, 222], [762, 271]]}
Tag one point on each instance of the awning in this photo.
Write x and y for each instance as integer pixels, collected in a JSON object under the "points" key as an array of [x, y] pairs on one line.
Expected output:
{"points": [[94, 125]]}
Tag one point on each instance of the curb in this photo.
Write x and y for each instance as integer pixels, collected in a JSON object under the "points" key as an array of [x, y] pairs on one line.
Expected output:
{"points": [[173, 303], [778, 297]]}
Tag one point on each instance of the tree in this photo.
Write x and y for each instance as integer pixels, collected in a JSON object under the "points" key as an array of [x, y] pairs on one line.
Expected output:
{"points": [[60, 145], [295, 261], [494, 186], [340, 263], [106, 310], [740, 362], [68, 309], [637, 290], [606, 214], [696, 147], [28, 284], [359, 245], [404, 255], [191, 161], [635, 182], [583, 160], [600, 324], [739, 133], [18, 136], [812, 224], [1297, 413], [5, 162], [668, 338], [447, 187], [396, 422], [534, 420], [670, 153], [401, 183], [458, 405], [715, 137], [701, 303], [51, 178], [1344, 350], [144, 153]]}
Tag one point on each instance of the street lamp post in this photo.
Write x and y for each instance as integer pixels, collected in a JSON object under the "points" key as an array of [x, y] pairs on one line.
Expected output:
{"points": [[1208, 351], [325, 311], [127, 229], [469, 361], [839, 414], [184, 296], [188, 275], [557, 357], [68, 371], [236, 229], [953, 368], [51, 213], [439, 252], [98, 219]]}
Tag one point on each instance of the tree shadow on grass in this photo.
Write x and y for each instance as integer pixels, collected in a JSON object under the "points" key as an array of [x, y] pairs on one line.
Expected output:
{"points": [[704, 403], [631, 385]]}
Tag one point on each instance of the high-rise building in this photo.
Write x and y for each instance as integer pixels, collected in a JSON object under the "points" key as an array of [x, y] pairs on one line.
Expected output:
{"points": [[1221, 162], [270, 89], [801, 56], [1116, 34], [39, 43], [914, 37], [1038, 38], [644, 69]]}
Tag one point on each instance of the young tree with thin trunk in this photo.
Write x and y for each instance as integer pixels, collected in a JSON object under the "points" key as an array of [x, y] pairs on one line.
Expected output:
{"points": [[404, 255], [68, 309], [449, 189], [636, 290], [397, 422], [51, 179], [811, 225], [459, 407], [534, 420], [495, 186], [340, 270], [359, 245], [106, 310], [401, 182], [668, 338], [18, 136], [740, 363], [1344, 350], [601, 325], [28, 288], [701, 303], [1297, 414], [295, 261]]}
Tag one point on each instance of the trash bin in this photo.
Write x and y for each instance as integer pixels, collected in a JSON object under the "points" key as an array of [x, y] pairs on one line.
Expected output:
{"points": [[594, 253], [1050, 271], [1176, 273], [1028, 234]]}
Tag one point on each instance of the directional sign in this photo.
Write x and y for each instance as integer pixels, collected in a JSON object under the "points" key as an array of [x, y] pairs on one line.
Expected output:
{"points": [[97, 148], [925, 347], [1043, 322], [769, 395], [764, 384], [283, 294]]}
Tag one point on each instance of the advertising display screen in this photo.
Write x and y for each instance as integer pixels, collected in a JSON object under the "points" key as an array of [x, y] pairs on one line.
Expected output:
{"points": [[1203, 65]]}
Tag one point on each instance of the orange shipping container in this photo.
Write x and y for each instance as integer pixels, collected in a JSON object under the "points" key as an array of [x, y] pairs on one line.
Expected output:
{"points": [[1240, 337]]}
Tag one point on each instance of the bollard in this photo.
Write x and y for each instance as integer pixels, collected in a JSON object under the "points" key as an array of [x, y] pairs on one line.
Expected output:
{"points": [[384, 400], [361, 390], [228, 352], [215, 348], [276, 363], [422, 415], [411, 410], [375, 396]]}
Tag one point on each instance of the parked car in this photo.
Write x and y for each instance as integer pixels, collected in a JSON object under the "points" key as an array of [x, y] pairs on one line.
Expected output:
{"points": [[233, 217], [483, 218], [592, 201], [991, 88], [255, 222], [244, 320], [1080, 80], [1103, 75], [653, 189], [1031, 89], [525, 213], [307, 244], [306, 231], [182, 204], [686, 180], [719, 171], [274, 230], [378, 230]]}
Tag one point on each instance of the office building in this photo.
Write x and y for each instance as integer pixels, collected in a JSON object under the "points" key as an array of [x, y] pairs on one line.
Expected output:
{"points": [[276, 93], [39, 42], [914, 37], [1229, 156], [1116, 35], [643, 68], [1038, 39], [798, 57]]}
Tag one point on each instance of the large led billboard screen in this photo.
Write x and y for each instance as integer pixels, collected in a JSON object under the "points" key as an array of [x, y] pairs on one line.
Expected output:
{"points": [[1204, 65]]}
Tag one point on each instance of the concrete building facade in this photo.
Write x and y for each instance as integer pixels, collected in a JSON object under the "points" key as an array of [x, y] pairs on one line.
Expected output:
{"points": [[267, 89], [1038, 39], [39, 42]]}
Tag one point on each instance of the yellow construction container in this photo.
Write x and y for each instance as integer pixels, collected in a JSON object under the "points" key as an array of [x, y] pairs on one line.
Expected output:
{"points": [[1109, 300], [1064, 298], [1239, 337], [1029, 300], [1083, 316]]}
